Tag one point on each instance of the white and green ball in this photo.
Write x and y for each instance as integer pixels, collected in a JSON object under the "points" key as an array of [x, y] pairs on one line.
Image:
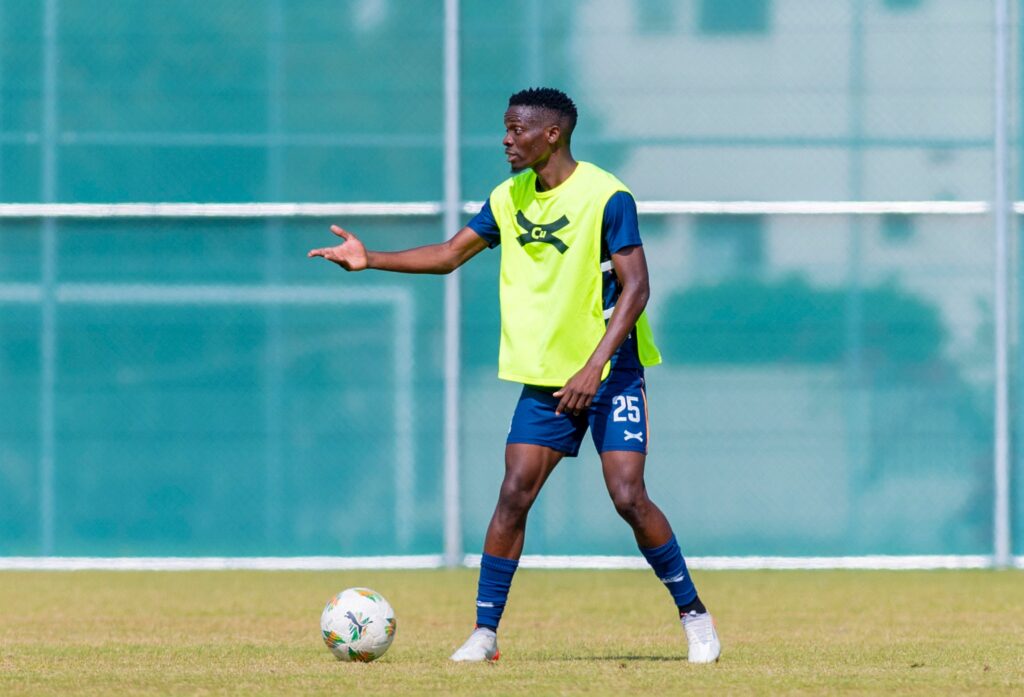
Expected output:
{"points": [[358, 624]]}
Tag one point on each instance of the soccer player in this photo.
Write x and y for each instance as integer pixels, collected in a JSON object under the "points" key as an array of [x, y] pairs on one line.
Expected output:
{"points": [[573, 288]]}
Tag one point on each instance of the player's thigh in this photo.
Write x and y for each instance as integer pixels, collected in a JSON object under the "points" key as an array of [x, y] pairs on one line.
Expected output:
{"points": [[623, 473], [618, 416], [527, 467]]}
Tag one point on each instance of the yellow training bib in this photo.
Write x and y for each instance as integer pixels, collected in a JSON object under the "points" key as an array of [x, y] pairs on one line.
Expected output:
{"points": [[552, 314]]}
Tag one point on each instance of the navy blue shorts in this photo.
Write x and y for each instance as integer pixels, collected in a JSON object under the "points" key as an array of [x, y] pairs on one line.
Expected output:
{"points": [[617, 418]]}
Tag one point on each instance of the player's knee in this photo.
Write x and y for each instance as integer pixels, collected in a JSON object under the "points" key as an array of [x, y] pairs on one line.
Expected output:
{"points": [[630, 501], [515, 499]]}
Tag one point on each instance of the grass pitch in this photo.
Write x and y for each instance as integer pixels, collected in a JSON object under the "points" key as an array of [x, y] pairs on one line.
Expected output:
{"points": [[564, 632]]}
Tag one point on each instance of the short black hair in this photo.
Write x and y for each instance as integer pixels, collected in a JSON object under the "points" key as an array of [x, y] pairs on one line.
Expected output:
{"points": [[548, 98]]}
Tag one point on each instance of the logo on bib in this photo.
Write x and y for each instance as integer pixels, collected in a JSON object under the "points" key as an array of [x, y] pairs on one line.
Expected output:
{"points": [[541, 232]]}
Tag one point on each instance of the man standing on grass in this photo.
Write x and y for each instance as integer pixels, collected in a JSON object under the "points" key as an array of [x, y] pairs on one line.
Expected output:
{"points": [[573, 289]]}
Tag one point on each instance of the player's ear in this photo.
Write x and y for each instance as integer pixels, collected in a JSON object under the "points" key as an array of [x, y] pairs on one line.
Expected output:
{"points": [[554, 133]]}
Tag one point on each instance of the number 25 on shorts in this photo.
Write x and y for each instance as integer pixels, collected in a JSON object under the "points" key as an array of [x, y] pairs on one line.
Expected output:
{"points": [[630, 404]]}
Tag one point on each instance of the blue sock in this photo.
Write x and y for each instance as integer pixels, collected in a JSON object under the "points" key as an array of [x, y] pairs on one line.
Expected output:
{"points": [[492, 590], [669, 566]]}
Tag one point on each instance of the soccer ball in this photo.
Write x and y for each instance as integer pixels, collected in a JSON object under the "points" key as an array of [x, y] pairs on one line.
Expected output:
{"points": [[358, 625]]}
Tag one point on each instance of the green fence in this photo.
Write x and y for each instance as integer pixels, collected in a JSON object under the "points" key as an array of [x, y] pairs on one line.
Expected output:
{"points": [[179, 385]]}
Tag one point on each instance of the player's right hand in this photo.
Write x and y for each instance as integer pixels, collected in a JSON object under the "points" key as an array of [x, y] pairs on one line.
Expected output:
{"points": [[349, 255]]}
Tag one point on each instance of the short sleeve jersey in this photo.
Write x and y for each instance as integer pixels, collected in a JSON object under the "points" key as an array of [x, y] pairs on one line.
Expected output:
{"points": [[619, 230]]}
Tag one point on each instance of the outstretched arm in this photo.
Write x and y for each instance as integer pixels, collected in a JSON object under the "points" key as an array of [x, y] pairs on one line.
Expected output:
{"points": [[631, 268], [439, 258]]}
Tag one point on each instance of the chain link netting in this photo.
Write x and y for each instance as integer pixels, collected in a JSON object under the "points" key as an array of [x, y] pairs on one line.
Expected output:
{"points": [[828, 383]]}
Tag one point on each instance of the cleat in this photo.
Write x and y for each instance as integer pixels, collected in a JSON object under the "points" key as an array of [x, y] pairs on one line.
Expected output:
{"points": [[700, 633], [482, 645]]}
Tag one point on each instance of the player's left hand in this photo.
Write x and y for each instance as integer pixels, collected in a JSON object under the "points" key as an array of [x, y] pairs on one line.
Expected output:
{"points": [[579, 392]]}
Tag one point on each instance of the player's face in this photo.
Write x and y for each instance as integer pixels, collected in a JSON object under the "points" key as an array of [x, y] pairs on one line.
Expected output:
{"points": [[529, 137]]}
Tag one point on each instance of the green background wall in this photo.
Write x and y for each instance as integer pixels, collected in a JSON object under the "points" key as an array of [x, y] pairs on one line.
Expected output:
{"points": [[828, 383]]}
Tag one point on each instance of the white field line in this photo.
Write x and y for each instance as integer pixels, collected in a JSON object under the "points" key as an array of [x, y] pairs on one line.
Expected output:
{"points": [[722, 563], [529, 561], [425, 561]]}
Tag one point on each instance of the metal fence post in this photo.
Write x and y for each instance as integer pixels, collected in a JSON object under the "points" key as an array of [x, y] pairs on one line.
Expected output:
{"points": [[452, 309], [48, 284], [1001, 219]]}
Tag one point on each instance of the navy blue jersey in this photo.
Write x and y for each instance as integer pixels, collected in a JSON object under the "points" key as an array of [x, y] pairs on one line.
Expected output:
{"points": [[619, 230]]}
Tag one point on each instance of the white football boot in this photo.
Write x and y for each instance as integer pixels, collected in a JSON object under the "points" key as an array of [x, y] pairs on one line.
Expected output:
{"points": [[700, 633], [482, 645]]}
